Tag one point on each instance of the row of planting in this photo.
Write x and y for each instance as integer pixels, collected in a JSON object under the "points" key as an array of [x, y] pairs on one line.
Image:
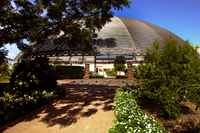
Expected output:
{"points": [[129, 117], [12, 108], [32, 84], [69, 72]]}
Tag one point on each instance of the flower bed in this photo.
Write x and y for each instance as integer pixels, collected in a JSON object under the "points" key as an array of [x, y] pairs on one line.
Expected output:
{"points": [[129, 116]]}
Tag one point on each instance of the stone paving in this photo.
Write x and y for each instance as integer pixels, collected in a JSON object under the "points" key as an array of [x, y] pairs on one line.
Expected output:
{"points": [[86, 108]]}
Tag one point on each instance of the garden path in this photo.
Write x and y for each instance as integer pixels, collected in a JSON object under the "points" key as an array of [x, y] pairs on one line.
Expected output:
{"points": [[86, 108]]}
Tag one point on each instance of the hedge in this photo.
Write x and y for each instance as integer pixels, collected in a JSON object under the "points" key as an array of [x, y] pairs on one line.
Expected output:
{"points": [[12, 107], [69, 72], [121, 77]]}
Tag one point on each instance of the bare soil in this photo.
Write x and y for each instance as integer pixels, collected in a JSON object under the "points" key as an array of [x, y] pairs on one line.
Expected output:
{"points": [[188, 122]]}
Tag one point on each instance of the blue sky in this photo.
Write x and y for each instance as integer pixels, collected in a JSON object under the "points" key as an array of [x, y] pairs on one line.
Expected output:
{"points": [[181, 17]]}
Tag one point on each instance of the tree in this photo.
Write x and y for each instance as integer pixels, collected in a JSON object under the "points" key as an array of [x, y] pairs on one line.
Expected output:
{"points": [[37, 20], [119, 63], [3, 62], [171, 76]]}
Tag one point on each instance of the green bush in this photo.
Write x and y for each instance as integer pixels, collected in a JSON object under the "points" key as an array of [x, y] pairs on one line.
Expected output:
{"points": [[129, 117], [32, 75], [111, 72], [119, 63], [121, 77], [12, 108], [4, 78], [69, 72], [4, 87], [97, 76], [172, 76]]}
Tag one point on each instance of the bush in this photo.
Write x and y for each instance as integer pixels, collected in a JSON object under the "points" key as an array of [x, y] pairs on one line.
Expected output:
{"points": [[97, 76], [119, 63], [4, 87], [4, 78], [129, 117], [69, 72], [32, 75], [12, 108], [171, 76], [111, 72], [121, 77]]}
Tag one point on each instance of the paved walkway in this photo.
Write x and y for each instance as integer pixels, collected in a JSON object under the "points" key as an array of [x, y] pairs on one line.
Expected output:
{"points": [[87, 108]]}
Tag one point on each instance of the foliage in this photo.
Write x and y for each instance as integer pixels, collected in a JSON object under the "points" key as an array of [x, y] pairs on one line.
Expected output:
{"points": [[33, 75], [111, 72], [171, 76], [119, 63], [3, 62], [121, 77], [3, 58], [3, 87], [69, 72], [97, 76], [4, 68], [12, 108], [4, 78], [36, 20], [129, 117]]}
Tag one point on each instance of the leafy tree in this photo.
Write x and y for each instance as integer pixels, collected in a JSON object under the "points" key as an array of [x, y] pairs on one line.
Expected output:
{"points": [[119, 63], [37, 20], [171, 76]]}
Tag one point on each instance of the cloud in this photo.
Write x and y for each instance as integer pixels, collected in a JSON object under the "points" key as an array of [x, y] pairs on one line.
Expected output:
{"points": [[10, 54]]}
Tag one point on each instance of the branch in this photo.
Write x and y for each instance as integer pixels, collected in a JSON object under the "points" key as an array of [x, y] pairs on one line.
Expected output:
{"points": [[51, 24]]}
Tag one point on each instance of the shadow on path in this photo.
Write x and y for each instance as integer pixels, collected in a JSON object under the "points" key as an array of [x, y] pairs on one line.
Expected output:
{"points": [[82, 100]]}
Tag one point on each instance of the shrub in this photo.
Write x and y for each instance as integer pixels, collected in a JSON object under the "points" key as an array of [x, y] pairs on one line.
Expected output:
{"points": [[12, 108], [129, 117], [111, 72], [32, 75], [171, 76], [4, 78], [119, 63], [97, 76], [121, 77], [69, 72]]}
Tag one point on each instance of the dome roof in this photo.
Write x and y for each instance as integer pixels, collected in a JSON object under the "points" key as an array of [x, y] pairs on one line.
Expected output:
{"points": [[122, 36], [130, 35]]}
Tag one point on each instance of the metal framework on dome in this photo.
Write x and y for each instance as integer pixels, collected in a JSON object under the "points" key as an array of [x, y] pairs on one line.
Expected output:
{"points": [[122, 36]]}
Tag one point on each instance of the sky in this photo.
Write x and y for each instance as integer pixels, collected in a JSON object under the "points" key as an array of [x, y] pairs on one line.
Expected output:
{"points": [[181, 17]]}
